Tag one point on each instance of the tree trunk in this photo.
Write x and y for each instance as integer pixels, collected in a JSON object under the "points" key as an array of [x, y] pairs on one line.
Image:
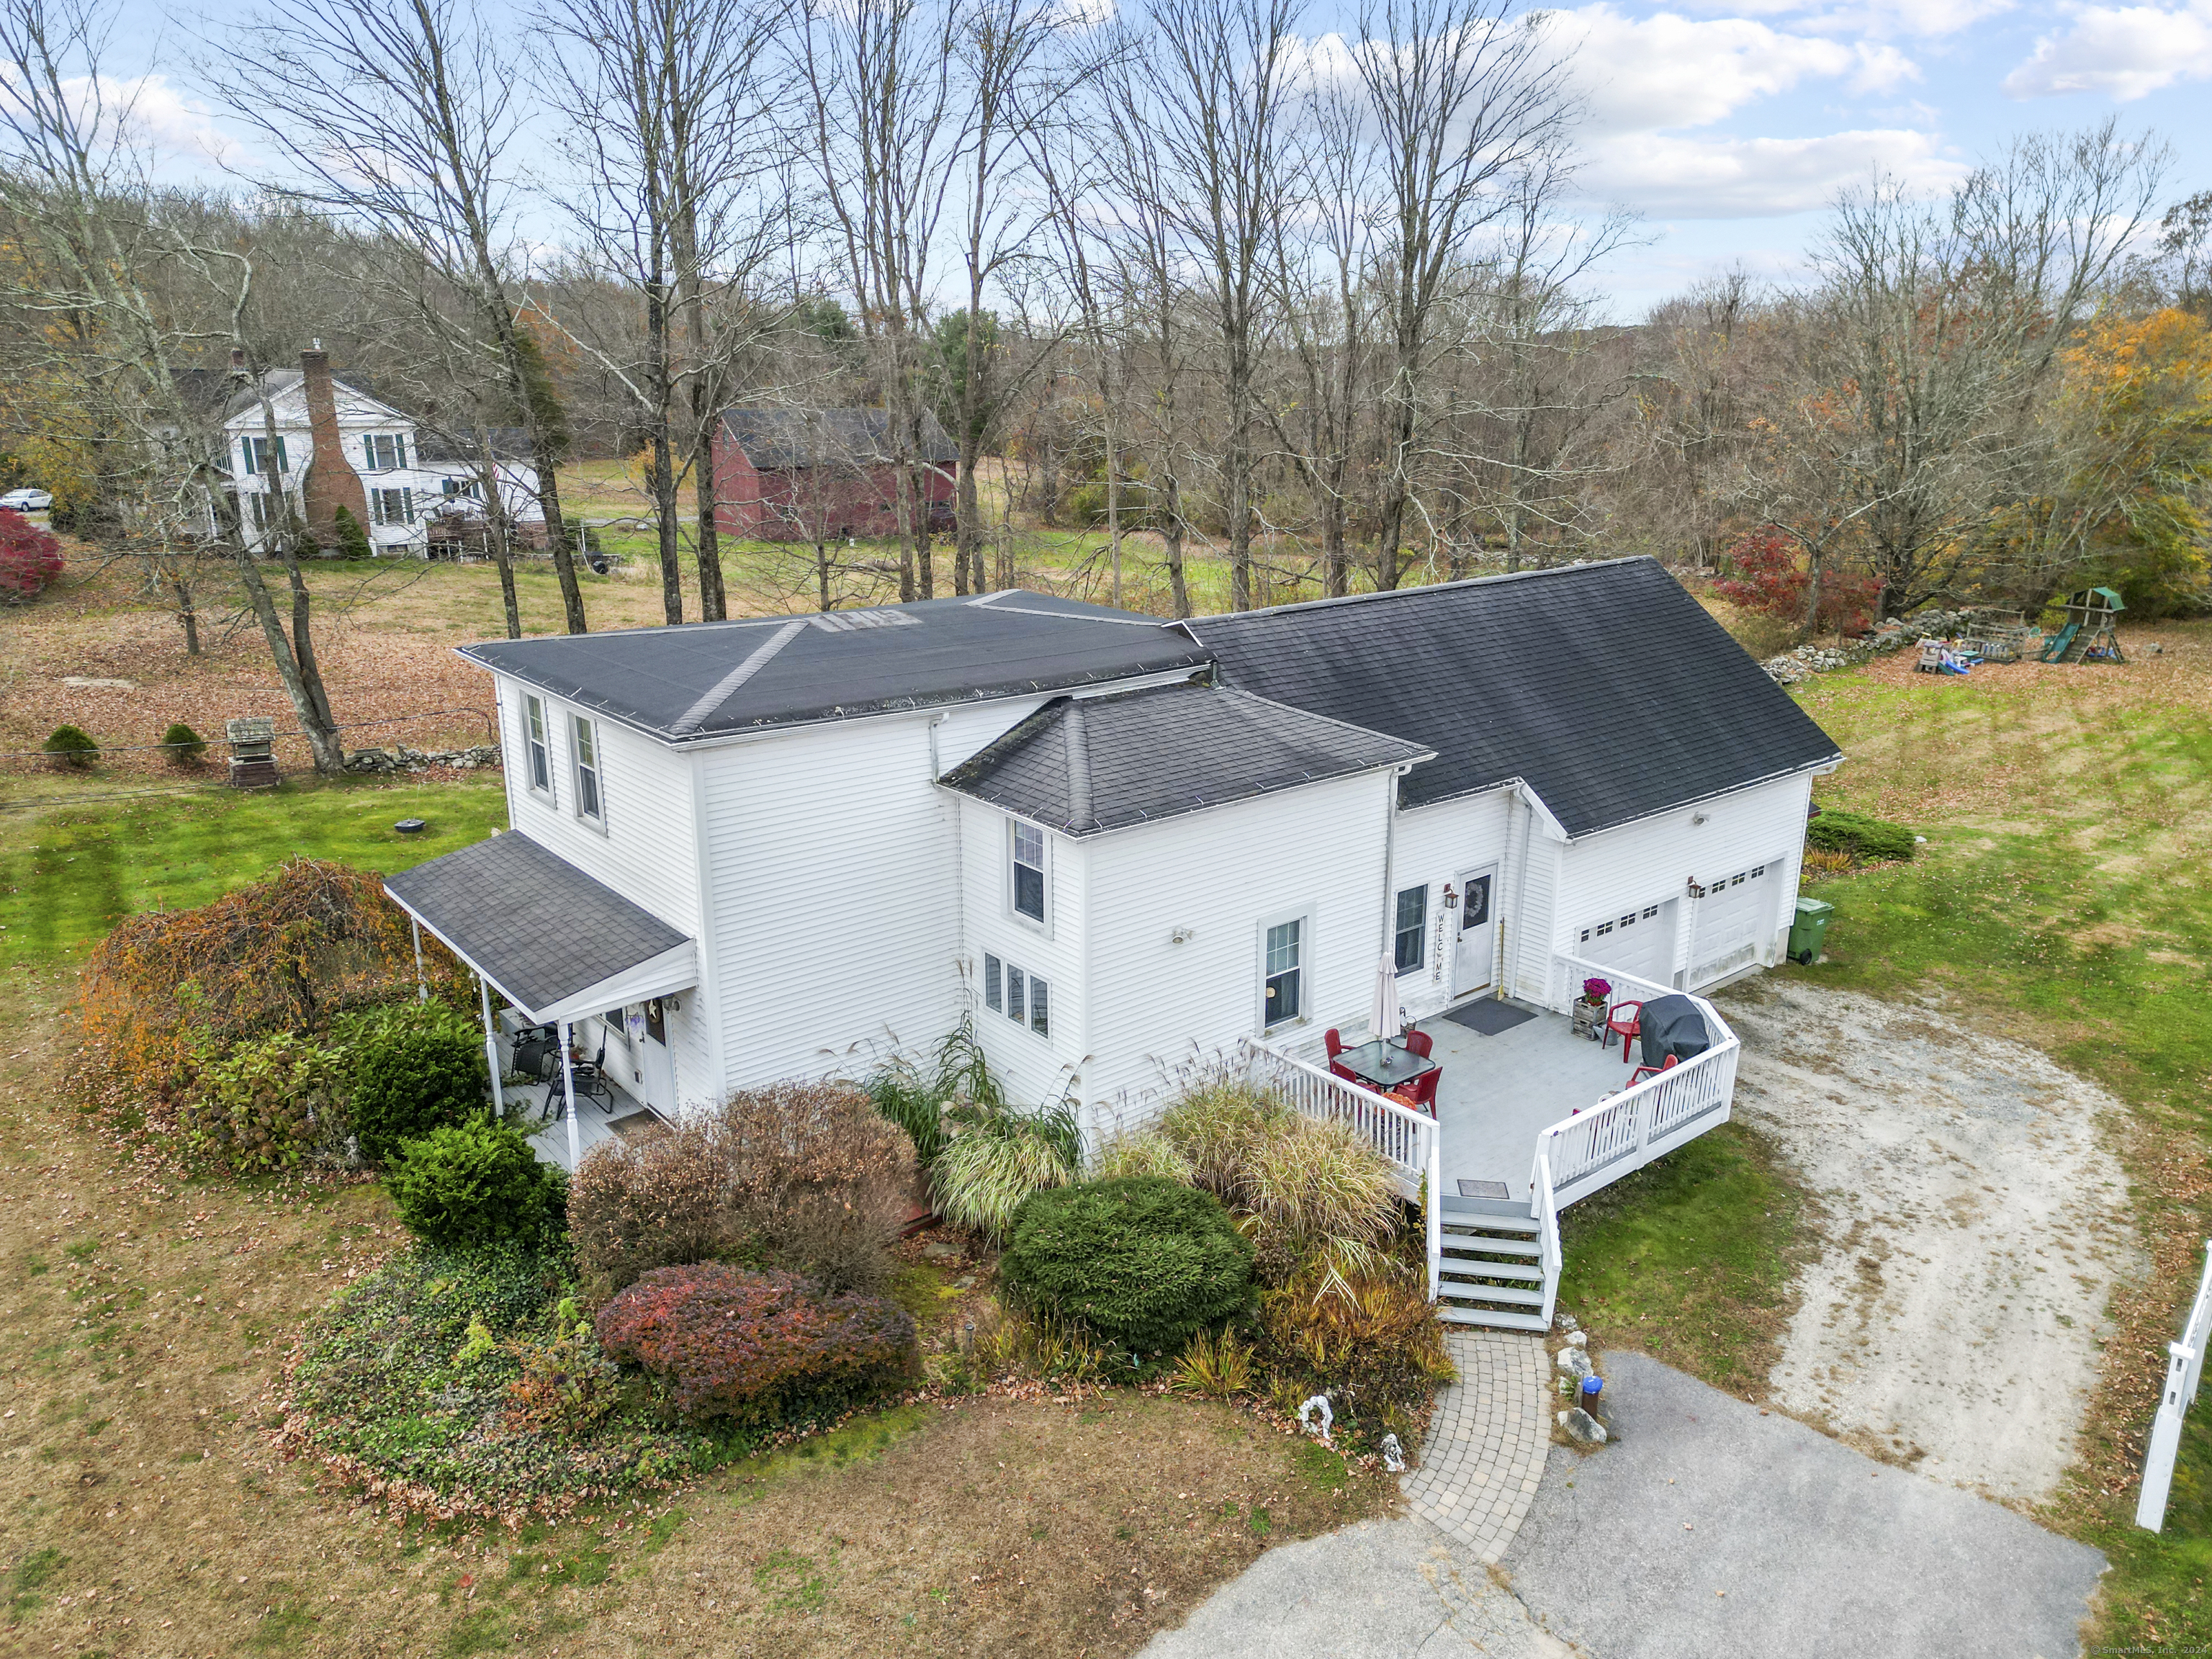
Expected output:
{"points": [[187, 616], [713, 597], [967, 520], [1171, 538]]}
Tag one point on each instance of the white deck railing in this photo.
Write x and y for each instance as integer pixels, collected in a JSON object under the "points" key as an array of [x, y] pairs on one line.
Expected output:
{"points": [[2184, 1368], [1406, 1137], [1568, 974]]}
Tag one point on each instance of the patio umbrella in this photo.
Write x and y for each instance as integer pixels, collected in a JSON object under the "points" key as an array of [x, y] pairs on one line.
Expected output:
{"points": [[1382, 1012]]}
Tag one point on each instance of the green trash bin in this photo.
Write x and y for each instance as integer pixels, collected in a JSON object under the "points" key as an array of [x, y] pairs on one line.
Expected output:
{"points": [[1810, 931]]}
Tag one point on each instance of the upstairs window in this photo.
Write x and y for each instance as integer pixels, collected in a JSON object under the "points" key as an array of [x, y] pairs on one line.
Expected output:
{"points": [[590, 803], [541, 759], [1412, 922], [261, 452], [1028, 872], [384, 452], [1285, 972]]}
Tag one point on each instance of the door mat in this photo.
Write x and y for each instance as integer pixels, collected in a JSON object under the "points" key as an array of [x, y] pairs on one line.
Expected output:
{"points": [[639, 1125], [1485, 1189], [1489, 1015]]}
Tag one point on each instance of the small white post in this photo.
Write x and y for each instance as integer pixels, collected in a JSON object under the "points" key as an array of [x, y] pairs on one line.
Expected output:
{"points": [[491, 1049], [568, 1093], [421, 986]]}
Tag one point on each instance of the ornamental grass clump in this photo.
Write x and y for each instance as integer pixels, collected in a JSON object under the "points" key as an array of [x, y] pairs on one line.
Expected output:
{"points": [[998, 1158], [1141, 1154], [1143, 1261], [756, 1348]]}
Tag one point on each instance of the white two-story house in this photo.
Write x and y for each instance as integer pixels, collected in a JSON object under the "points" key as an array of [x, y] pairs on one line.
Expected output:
{"points": [[787, 846], [408, 477]]}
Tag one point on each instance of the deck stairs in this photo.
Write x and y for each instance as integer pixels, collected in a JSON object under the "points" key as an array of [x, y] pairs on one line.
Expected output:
{"points": [[1492, 1271]]}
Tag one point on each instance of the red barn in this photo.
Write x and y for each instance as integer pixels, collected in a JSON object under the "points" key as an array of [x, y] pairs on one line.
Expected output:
{"points": [[789, 474]]}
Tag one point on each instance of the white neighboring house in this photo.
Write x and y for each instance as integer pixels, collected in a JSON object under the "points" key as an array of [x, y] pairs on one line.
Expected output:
{"points": [[408, 476], [781, 847]]}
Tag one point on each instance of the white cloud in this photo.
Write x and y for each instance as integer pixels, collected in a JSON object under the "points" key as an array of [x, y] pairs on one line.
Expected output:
{"points": [[1925, 18], [2127, 51], [1666, 72], [141, 113], [1671, 177]]}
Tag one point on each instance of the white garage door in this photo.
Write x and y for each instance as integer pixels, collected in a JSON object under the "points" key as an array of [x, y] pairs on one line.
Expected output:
{"points": [[1732, 922], [1639, 940]]}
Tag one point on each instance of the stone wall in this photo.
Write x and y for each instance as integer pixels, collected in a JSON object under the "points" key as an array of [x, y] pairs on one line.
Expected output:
{"points": [[401, 758]]}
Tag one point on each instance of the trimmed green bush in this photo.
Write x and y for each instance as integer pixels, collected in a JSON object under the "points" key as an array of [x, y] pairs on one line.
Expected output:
{"points": [[418, 1067], [352, 541], [1873, 839], [476, 1183], [72, 748], [1144, 1262], [186, 747]]}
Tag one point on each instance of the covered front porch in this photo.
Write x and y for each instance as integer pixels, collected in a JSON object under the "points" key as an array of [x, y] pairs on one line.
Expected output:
{"points": [[564, 952]]}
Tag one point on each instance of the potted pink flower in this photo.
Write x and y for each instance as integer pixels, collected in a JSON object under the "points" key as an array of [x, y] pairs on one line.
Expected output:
{"points": [[1590, 1008]]}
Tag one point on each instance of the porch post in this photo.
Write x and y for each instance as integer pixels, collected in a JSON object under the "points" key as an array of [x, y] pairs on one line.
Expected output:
{"points": [[421, 986], [491, 1049], [568, 1092]]}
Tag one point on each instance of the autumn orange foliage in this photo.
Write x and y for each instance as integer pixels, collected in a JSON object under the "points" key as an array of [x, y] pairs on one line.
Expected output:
{"points": [[169, 986]]}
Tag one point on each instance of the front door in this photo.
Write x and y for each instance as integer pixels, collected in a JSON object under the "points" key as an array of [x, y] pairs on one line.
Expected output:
{"points": [[1474, 953], [653, 1069]]}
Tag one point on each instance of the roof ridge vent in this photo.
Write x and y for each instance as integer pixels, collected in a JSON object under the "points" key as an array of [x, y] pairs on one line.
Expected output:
{"points": [[1079, 812], [844, 622]]}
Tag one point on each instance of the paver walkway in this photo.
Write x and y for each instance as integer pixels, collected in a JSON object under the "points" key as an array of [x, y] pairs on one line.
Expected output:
{"points": [[1487, 1441]]}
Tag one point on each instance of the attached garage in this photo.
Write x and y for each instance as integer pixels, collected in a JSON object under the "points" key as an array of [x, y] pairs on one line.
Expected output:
{"points": [[1638, 939], [1732, 921]]}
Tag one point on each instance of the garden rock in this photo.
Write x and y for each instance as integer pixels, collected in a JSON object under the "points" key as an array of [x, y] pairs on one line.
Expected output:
{"points": [[1575, 1362], [1581, 1428], [84, 683], [401, 758]]}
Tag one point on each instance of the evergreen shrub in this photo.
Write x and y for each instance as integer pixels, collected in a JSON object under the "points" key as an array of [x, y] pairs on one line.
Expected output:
{"points": [[1872, 840], [183, 746], [476, 1183], [417, 1066], [1142, 1260], [350, 540], [72, 748]]}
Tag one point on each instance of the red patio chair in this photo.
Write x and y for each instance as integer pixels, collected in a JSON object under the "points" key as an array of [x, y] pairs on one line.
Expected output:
{"points": [[1625, 1021], [1334, 1044], [1643, 1071], [1418, 1042], [1420, 1094]]}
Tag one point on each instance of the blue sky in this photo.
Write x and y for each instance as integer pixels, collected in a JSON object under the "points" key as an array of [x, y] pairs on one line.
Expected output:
{"points": [[1726, 124]]}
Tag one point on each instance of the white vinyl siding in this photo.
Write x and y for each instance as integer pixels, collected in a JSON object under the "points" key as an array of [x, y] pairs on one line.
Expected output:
{"points": [[1034, 1063], [1436, 845]]}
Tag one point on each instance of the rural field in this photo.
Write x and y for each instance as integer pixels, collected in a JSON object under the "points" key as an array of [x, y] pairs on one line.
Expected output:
{"points": [[2061, 902]]}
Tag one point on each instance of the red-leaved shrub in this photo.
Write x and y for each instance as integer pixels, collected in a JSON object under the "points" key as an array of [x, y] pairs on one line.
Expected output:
{"points": [[755, 1346], [1771, 575], [30, 557]]}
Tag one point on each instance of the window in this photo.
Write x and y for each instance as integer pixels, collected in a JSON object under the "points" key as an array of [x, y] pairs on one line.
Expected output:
{"points": [[589, 804], [1284, 972], [1412, 921], [260, 452], [454, 488], [1028, 872], [392, 506], [264, 509], [385, 453], [1022, 998], [541, 761]]}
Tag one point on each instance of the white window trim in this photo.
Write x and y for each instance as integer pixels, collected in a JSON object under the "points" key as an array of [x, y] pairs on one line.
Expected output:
{"points": [[599, 772], [1302, 915], [999, 1016], [548, 793], [1428, 914], [1020, 919]]}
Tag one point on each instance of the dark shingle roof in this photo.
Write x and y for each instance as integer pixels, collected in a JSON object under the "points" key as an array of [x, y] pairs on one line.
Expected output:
{"points": [[1606, 687], [540, 928], [815, 437], [1081, 765], [705, 679]]}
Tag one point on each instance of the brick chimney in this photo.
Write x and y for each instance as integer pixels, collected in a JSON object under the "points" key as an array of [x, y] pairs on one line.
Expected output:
{"points": [[330, 482]]}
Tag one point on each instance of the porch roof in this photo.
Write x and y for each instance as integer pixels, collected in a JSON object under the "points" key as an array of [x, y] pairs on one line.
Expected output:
{"points": [[554, 941]]}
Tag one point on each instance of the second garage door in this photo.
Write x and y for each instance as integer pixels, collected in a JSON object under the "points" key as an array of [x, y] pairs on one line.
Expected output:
{"points": [[1733, 920]]}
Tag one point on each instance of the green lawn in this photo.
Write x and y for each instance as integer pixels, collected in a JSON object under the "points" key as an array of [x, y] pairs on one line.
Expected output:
{"points": [[2064, 900], [68, 873]]}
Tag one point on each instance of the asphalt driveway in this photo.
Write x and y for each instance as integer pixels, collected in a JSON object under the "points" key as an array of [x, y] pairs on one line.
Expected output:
{"points": [[1709, 1531]]}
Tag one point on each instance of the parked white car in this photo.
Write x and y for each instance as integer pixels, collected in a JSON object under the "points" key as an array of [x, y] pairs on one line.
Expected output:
{"points": [[30, 499]]}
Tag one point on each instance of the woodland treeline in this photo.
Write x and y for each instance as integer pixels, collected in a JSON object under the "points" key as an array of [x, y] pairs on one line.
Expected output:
{"points": [[1190, 282]]}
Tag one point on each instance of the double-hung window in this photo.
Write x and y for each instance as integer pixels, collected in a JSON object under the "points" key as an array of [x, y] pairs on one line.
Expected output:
{"points": [[1286, 971], [385, 453], [265, 455], [1022, 998], [393, 506], [1412, 922], [1028, 872], [591, 801], [541, 757]]}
